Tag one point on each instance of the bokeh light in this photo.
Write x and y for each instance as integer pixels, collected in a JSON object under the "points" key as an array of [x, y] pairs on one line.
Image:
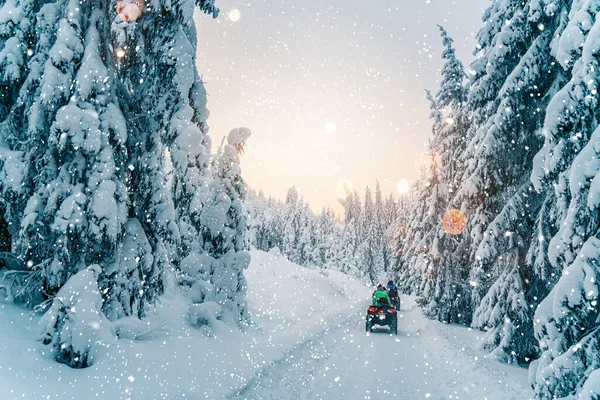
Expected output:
{"points": [[120, 53], [329, 128], [130, 10], [454, 221], [235, 15]]}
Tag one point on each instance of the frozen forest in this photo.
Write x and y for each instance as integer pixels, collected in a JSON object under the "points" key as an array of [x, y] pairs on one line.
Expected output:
{"points": [[361, 244], [137, 263]]}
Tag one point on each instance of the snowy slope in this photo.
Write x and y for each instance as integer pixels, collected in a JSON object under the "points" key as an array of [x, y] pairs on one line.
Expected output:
{"points": [[307, 341]]}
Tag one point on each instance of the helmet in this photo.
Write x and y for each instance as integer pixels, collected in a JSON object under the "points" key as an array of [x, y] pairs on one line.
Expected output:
{"points": [[379, 286], [391, 283]]}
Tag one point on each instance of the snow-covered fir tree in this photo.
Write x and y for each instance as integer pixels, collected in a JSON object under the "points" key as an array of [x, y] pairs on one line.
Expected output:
{"points": [[104, 164], [306, 234], [370, 262], [17, 39], [72, 135], [301, 235], [380, 228], [493, 263], [224, 227], [534, 82], [566, 322], [292, 225], [390, 223], [429, 262], [264, 222], [326, 239], [508, 208], [75, 328]]}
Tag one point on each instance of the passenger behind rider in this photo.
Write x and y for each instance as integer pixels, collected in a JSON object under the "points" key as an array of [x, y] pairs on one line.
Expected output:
{"points": [[393, 294]]}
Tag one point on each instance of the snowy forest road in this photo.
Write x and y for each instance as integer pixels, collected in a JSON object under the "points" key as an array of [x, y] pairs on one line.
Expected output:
{"points": [[425, 361], [307, 341]]}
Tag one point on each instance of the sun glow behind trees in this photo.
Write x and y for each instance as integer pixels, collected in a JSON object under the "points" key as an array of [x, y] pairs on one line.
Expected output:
{"points": [[369, 86], [403, 186]]}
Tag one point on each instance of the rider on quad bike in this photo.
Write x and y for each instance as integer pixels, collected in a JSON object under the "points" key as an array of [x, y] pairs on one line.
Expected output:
{"points": [[380, 296], [392, 291], [381, 312]]}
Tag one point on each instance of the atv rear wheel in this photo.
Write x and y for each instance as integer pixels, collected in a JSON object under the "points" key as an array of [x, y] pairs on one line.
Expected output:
{"points": [[394, 326], [367, 326]]}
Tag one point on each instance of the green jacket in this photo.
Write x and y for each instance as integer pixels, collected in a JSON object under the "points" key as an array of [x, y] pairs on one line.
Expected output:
{"points": [[380, 294]]}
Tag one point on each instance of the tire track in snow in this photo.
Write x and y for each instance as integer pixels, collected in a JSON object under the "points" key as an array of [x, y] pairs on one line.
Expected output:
{"points": [[425, 361], [311, 347], [346, 362]]}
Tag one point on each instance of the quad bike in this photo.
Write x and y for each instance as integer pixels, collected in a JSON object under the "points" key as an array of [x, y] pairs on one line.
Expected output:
{"points": [[382, 315]]}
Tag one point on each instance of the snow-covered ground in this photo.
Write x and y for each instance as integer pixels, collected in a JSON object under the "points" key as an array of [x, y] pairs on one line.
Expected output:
{"points": [[307, 341]]}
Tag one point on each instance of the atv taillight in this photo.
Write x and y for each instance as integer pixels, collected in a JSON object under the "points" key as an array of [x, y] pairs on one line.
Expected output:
{"points": [[373, 309], [392, 310]]}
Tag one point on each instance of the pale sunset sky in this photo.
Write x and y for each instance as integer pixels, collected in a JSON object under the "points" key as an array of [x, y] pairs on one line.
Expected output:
{"points": [[331, 89]]}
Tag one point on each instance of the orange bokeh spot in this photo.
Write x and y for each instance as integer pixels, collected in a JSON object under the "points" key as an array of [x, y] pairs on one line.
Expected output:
{"points": [[454, 221], [130, 10]]}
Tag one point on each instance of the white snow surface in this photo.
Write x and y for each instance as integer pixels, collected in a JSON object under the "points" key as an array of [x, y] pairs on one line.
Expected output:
{"points": [[307, 340]]}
